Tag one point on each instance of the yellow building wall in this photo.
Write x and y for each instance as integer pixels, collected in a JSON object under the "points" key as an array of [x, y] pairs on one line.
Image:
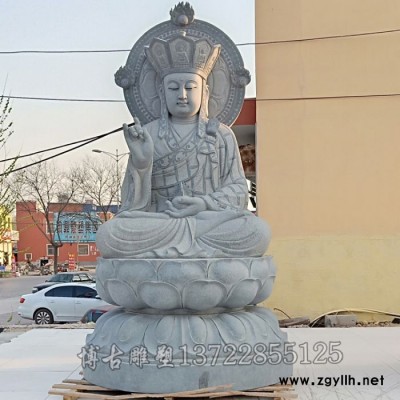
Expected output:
{"points": [[328, 151]]}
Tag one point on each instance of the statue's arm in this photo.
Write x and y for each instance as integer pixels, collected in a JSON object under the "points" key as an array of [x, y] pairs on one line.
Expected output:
{"points": [[233, 191], [136, 188]]}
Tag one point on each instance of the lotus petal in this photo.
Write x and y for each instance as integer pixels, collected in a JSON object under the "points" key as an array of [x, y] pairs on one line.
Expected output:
{"points": [[123, 294], [181, 272], [228, 271], [243, 293], [105, 269], [133, 327], [160, 295], [261, 268], [165, 329], [197, 330], [265, 291], [103, 292], [203, 295], [136, 271], [231, 328]]}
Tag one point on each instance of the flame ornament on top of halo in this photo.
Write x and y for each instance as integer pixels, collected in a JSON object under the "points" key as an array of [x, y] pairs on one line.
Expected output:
{"points": [[182, 14]]}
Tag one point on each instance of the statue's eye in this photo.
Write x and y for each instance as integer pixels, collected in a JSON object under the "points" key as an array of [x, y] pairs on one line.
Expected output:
{"points": [[190, 86], [173, 87]]}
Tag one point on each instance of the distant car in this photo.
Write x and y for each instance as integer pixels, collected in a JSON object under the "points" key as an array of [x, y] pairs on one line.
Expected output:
{"points": [[94, 314], [60, 303], [65, 277]]}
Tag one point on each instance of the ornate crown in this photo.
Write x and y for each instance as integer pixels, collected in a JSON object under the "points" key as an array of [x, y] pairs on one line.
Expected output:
{"points": [[182, 54]]}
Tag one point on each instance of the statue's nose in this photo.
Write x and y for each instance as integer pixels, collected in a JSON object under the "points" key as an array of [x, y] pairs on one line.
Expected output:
{"points": [[182, 93]]}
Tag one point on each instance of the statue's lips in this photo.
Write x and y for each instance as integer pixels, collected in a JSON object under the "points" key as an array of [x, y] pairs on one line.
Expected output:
{"points": [[182, 104]]}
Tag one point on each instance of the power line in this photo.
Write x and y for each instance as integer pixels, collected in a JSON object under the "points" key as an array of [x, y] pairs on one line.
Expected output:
{"points": [[328, 37], [56, 147], [258, 99], [94, 138], [5, 52], [328, 97], [127, 50], [49, 158], [87, 141], [63, 99], [62, 51]]}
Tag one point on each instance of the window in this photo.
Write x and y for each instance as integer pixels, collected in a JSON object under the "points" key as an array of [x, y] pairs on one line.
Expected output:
{"points": [[66, 227], [61, 278], [50, 250], [85, 292], [83, 249], [84, 277], [47, 227], [28, 256], [62, 291], [88, 227], [96, 315]]}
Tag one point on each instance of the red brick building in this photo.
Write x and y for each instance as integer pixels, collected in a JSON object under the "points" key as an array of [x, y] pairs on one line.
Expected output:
{"points": [[76, 231]]}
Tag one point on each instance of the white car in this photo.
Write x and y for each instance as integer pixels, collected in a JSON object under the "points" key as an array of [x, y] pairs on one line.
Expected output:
{"points": [[60, 303]]}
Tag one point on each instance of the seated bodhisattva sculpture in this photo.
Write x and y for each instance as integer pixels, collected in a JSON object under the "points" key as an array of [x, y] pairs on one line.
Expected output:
{"points": [[184, 259], [184, 192]]}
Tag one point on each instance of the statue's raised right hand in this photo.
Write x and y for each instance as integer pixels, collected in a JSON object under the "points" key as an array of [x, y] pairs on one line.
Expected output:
{"points": [[140, 144]]}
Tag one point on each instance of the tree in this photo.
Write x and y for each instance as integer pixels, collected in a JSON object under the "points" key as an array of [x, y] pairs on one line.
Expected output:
{"points": [[51, 191], [6, 197], [97, 180]]}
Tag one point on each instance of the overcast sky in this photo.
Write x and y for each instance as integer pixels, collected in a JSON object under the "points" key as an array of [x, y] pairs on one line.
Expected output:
{"points": [[87, 25]]}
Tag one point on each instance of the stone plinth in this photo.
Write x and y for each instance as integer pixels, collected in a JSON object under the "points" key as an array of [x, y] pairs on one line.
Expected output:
{"points": [[186, 324], [185, 284]]}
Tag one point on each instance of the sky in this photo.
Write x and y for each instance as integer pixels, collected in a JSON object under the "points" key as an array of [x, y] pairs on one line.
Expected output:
{"points": [[87, 25]]}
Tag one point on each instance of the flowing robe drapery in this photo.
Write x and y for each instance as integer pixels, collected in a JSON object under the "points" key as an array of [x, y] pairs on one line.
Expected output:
{"points": [[201, 165]]}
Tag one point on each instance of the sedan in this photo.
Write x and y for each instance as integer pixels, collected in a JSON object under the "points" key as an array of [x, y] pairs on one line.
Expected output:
{"points": [[95, 313], [65, 277], [60, 303]]}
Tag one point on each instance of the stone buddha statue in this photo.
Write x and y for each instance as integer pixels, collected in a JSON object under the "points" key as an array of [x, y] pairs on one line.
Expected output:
{"points": [[184, 259], [184, 192]]}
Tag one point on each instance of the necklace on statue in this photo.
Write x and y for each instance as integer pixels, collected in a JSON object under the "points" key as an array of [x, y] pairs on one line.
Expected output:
{"points": [[179, 137]]}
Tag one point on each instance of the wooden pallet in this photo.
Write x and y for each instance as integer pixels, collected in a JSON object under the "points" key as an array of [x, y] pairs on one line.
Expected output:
{"points": [[72, 389]]}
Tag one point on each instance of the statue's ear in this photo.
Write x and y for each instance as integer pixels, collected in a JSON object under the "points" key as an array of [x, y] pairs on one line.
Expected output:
{"points": [[161, 90], [206, 92], [204, 100]]}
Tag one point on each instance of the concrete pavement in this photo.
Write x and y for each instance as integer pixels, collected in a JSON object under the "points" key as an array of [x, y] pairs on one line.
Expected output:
{"points": [[331, 358]]}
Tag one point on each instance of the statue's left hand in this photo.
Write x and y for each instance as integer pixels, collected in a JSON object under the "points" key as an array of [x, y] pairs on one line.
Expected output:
{"points": [[185, 206]]}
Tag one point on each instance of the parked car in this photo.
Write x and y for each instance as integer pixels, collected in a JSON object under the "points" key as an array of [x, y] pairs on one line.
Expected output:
{"points": [[60, 303], [94, 314], [65, 277]]}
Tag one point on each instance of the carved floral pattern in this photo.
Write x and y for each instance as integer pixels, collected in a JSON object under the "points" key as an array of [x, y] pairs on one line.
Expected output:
{"points": [[252, 325], [191, 284]]}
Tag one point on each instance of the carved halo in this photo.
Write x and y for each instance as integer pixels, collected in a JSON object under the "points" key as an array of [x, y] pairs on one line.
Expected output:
{"points": [[226, 82]]}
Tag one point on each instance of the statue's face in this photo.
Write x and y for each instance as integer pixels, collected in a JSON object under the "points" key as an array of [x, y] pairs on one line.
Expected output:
{"points": [[183, 93]]}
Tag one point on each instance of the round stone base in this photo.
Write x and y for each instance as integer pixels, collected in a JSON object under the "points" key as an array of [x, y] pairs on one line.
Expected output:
{"points": [[153, 353], [188, 284]]}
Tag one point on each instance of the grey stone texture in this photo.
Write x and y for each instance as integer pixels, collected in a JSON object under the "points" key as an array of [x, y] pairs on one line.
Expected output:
{"points": [[185, 284], [184, 258], [206, 350]]}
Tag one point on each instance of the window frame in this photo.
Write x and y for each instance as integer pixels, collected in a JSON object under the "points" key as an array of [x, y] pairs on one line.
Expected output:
{"points": [[50, 246], [83, 245], [61, 287]]}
